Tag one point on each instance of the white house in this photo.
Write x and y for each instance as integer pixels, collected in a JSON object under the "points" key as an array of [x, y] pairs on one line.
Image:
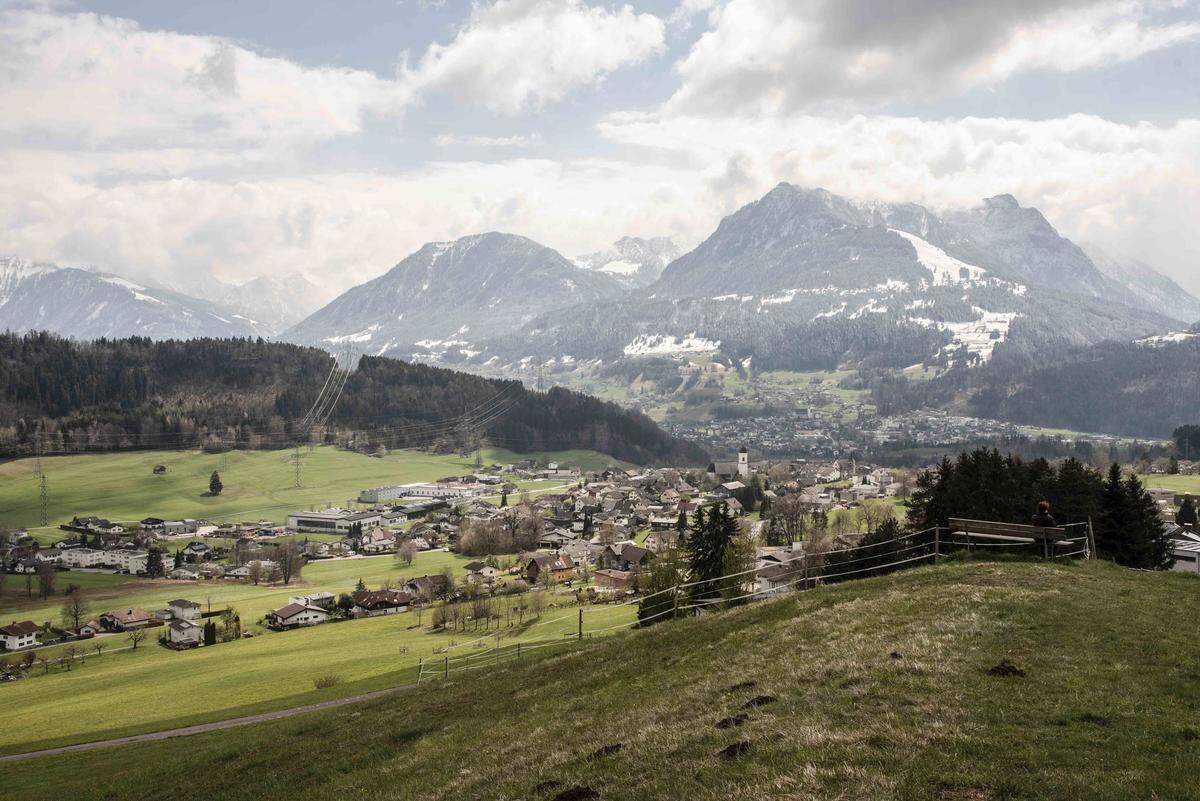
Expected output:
{"points": [[82, 557], [297, 615], [181, 609], [185, 632], [16, 636]]}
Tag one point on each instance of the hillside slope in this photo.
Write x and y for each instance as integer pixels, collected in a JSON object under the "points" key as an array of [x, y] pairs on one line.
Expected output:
{"points": [[878, 689], [137, 394]]}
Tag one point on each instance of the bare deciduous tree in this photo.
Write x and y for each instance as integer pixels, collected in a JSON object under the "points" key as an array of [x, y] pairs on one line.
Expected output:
{"points": [[47, 575], [75, 610], [135, 637]]}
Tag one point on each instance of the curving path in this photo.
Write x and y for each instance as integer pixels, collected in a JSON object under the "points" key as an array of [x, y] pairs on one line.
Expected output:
{"points": [[201, 728]]}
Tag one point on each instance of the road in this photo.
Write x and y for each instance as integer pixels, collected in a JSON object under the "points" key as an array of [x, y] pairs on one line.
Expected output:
{"points": [[201, 728]]}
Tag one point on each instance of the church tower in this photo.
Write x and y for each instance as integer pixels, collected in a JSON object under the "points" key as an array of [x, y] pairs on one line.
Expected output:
{"points": [[743, 462]]}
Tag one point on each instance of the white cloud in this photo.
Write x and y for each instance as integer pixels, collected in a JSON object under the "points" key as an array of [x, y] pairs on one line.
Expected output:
{"points": [[86, 81], [521, 140], [787, 55], [517, 54]]}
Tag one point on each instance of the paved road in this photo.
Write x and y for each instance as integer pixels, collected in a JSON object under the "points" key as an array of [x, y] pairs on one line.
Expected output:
{"points": [[204, 727]]}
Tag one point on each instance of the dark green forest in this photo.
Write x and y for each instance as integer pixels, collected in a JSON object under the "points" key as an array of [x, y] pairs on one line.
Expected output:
{"points": [[136, 393], [1113, 387]]}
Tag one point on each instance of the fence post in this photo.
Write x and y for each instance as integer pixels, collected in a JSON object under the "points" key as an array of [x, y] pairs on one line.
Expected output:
{"points": [[675, 601], [446, 668], [1091, 537], [420, 669], [581, 622], [937, 542]]}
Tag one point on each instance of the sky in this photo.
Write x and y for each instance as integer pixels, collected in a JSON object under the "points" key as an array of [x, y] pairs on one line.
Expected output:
{"points": [[184, 142]]}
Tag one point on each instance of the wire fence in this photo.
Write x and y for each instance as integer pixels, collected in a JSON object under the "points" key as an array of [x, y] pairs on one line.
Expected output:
{"points": [[704, 596]]}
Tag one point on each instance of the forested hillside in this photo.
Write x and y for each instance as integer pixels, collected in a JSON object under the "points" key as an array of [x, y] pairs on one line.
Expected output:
{"points": [[219, 393], [1142, 389]]}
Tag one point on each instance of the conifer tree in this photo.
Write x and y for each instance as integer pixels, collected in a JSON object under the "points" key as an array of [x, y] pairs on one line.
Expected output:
{"points": [[706, 547], [1187, 512], [1113, 526], [1149, 546], [214, 484]]}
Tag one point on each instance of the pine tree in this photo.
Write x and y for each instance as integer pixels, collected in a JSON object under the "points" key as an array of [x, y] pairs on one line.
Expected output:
{"points": [[1113, 525], [665, 574], [210, 633], [1149, 546], [214, 484], [504, 499], [360, 586], [710, 538], [154, 564]]}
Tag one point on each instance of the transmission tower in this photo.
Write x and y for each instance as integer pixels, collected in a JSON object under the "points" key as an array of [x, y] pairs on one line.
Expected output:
{"points": [[44, 492], [43, 488], [297, 460]]}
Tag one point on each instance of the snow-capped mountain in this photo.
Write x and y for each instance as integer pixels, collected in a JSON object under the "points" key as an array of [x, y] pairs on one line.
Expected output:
{"points": [[450, 294], [87, 305], [277, 302], [632, 261], [804, 278], [1155, 289]]}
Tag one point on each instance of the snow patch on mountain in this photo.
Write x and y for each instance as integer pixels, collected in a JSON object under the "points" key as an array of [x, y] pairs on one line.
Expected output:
{"points": [[1159, 340], [667, 344], [945, 268]]}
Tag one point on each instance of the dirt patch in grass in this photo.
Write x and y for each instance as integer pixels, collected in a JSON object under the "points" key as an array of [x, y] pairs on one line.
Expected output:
{"points": [[1095, 720], [1006, 670], [577, 793], [759, 700], [735, 750], [731, 722], [745, 685], [541, 788]]}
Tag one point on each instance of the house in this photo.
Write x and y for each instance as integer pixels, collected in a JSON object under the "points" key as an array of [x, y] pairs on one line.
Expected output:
{"points": [[773, 579], [482, 570], [559, 566], [82, 558], [333, 521], [324, 600], [16, 636], [125, 619], [184, 574], [625, 556], [197, 551], [377, 540], [296, 615], [614, 581], [185, 633], [379, 602], [183, 610], [428, 586]]}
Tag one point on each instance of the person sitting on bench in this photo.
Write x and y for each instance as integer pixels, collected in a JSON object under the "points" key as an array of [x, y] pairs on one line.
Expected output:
{"points": [[1043, 518]]}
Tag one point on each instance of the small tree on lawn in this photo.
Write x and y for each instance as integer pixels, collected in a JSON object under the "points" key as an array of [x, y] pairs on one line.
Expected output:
{"points": [[46, 576], [75, 610], [214, 484], [135, 637]]}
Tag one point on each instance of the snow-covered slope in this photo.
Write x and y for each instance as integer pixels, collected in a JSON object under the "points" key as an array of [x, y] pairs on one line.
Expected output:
{"points": [[86, 305], [632, 261], [449, 294]]}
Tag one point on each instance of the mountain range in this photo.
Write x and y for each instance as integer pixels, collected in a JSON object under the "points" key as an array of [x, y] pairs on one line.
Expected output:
{"points": [[84, 304], [800, 279]]}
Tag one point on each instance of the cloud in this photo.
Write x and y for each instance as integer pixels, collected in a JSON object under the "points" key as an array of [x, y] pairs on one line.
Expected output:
{"points": [[512, 55], [784, 56], [522, 140], [86, 81]]}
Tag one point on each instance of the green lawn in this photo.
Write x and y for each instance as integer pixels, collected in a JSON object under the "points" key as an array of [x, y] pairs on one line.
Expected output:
{"points": [[258, 484], [1182, 484], [158, 688], [879, 689]]}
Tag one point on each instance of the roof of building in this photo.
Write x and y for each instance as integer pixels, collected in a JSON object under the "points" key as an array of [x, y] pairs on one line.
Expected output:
{"points": [[21, 629]]}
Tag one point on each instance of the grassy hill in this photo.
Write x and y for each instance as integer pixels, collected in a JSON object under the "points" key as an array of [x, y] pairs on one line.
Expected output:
{"points": [[963, 682], [258, 484]]}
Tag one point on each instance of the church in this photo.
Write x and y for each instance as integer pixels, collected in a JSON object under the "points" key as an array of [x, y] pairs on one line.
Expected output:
{"points": [[728, 471]]}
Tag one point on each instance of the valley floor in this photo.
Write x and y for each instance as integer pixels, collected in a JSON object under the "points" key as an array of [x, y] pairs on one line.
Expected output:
{"points": [[965, 681]]}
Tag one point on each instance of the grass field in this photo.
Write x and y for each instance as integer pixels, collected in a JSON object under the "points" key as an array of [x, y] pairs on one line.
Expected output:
{"points": [[1182, 484], [258, 484], [160, 689], [879, 689]]}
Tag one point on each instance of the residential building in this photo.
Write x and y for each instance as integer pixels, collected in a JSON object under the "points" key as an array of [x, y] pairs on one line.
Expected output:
{"points": [[16, 636]]}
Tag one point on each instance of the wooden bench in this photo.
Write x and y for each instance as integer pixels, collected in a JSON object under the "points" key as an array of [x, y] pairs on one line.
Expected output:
{"points": [[1050, 537]]}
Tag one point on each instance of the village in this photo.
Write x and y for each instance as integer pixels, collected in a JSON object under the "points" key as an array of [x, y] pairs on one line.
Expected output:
{"points": [[592, 537]]}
